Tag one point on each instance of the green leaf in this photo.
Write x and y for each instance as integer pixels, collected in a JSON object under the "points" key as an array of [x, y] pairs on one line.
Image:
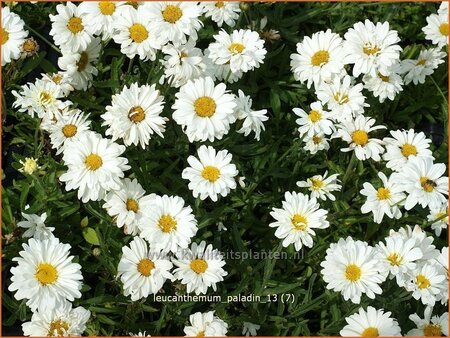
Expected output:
{"points": [[90, 236]]}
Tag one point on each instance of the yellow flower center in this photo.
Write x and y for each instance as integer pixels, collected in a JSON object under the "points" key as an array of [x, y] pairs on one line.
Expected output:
{"points": [[132, 205], [340, 98], [45, 98], [314, 116], [422, 282], [172, 13], [183, 55], [75, 25], [210, 173], [167, 223], [29, 46], [371, 50], [352, 272], [201, 334], [107, 7], [69, 130], [205, 106], [236, 48], [360, 137], [83, 61], [370, 332], [320, 57], [145, 267], [408, 149], [219, 4], [136, 114], [432, 330], [199, 265], [443, 28], [421, 62], [138, 33], [5, 36], [427, 184], [317, 139], [299, 222], [395, 259], [46, 274], [58, 328], [383, 193], [56, 78], [93, 162], [316, 183], [383, 78]]}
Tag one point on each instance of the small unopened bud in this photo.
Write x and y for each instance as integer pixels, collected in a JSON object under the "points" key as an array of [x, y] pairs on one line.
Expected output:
{"points": [[30, 47], [244, 6], [96, 252]]}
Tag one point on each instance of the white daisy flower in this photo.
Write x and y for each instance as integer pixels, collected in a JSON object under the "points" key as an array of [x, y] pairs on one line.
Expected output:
{"points": [[199, 267], [222, 12], [436, 29], [142, 271], [403, 146], [428, 283], [319, 57], [136, 33], [353, 268], [13, 35], [80, 67], [167, 224], [384, 200], [71, 125], [175, 21], [356, 134], [422, 180], [205, 325], [71, 30], [249, 329], [135, 115], [439, 217], [342, 98], [61, 79], [435, 326], [298, 218], [94, 167], [204, 110], [45, 274], [211, 174], [253, 119], [102, 15], [371, 323], [384, 86], [321, 187], [127, 204], [243, 50], [35, 226], [29, 165], [62, 321], [417, 70], [372, 48], [315, 122], [316, 143]]}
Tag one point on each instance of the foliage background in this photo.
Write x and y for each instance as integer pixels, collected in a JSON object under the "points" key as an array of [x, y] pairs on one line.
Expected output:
{"points": [[271, 167]]}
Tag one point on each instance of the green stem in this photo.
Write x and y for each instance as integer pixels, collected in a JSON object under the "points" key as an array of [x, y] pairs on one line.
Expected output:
{"points": [[36, 137], [349, 170], [43, 38], [440, 91]]}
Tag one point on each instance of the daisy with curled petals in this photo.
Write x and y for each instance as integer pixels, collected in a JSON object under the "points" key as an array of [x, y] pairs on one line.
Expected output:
{"points": [[428, 282], [127, 204], [315, 121], [316, 143], [204, 110], [439, 217], [297, 219], [243, 50], [322, 186], [222, 12], [205, 325], [253, 119], [343, 99], [416, 70], [13, 35], [371, 323], [435, 326], [94, 167], [319, 58], [199, 267], [102, 15], [35, 226], [29, 165], [405, 145], [62, 321], [423, 182], [71, 30], [175, 21], [353, 268], [135, 33], [436, 29], [167, 224], [384, 86], [142, 271], [356, 134], [211, 174], [372, 48], [45, 274], [135, 115], [384, 200]]}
